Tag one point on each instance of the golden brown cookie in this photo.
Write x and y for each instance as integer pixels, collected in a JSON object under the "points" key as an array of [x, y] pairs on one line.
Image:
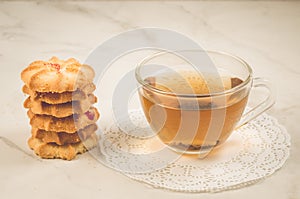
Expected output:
{"points": [[60, 110], [57, 75], [69, 124], [60, 98], [62, 138], [66, 152]]}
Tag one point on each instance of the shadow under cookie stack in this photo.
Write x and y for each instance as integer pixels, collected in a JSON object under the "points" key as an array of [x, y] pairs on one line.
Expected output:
{"points": [[60, 105]]}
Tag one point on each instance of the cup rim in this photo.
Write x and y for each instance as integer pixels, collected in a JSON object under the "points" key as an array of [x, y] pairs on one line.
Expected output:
{"points": [[232, 90]]}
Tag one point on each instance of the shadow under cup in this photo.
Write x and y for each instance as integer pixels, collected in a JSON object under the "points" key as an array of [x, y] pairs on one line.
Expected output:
{"points": [[192, 110]]}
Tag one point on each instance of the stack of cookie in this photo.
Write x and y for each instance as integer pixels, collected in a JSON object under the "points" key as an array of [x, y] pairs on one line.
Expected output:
{"points": [[60, 106]]}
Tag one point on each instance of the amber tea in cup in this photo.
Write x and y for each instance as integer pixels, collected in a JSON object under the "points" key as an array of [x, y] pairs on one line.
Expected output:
{"points": [[193, 111]]}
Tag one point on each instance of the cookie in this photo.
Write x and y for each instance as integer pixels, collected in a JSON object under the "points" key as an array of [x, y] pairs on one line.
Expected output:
{"points": [[66, 152], [60, 98], [62, 138], [68, 124], [60, 110], [57, 75]]}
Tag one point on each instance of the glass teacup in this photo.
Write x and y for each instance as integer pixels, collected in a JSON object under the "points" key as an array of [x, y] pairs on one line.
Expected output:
{"points": [[194, 109]]}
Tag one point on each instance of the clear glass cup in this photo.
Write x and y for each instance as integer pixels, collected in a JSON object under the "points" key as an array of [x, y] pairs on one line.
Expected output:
{"points": [[193, 100]]}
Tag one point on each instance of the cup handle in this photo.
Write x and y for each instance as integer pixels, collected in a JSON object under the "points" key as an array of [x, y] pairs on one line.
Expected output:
{"points": [[261, 107]]}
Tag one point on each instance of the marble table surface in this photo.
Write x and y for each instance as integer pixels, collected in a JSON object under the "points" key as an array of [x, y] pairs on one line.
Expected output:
{"points": [[265, 33]]}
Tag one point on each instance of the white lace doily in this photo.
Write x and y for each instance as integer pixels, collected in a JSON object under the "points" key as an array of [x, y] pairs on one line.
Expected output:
{"points": [[252, 152]]}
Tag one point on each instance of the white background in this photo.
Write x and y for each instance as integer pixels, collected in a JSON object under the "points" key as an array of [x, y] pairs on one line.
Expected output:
{"points": [[266, 34]]}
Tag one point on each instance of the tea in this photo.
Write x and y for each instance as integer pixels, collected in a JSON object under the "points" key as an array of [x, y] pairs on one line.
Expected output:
{"points": [[185, 121]]}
